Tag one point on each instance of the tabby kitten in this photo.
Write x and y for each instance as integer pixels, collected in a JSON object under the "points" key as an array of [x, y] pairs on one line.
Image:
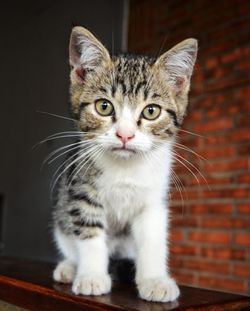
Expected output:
{"points": [[113, 191]]}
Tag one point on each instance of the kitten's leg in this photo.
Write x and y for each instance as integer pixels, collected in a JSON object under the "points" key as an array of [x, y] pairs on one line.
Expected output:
{"points": [[152, 278], [65, 270], [92, 270]]}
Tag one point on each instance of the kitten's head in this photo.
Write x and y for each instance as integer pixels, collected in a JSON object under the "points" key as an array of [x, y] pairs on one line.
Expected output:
{"points": [[128, 105]]}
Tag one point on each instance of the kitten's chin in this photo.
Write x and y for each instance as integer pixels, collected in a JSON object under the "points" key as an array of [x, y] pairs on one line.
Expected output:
{"points": [[123, 153]]}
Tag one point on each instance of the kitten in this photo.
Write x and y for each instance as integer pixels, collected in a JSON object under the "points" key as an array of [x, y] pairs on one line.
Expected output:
{"points": [[112, 197]]}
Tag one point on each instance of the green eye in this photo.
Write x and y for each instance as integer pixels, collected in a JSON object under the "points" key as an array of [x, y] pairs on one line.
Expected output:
{"points": [[104, 107], [151, 112]]}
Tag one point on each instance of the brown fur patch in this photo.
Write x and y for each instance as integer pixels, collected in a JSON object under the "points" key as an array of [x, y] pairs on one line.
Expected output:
{"points": [[161, 129], [89, 122]]}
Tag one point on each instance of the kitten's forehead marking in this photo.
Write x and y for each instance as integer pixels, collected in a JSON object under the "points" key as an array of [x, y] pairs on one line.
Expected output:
{"points": [[132, 76]]}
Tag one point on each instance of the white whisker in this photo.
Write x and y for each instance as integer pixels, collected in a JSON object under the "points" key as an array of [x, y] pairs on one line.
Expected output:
{"points": [[77, 146], [193, 166], [81, 164], [56, 115], [192, 133], [65, 169], [195, 176], [180, 146]]}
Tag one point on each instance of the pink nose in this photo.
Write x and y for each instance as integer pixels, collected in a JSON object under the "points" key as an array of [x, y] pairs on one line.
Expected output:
{"points": [[124, 137]]}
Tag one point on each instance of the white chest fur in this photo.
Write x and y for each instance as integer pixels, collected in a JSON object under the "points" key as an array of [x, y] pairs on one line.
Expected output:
{"points": [[126, 187]]}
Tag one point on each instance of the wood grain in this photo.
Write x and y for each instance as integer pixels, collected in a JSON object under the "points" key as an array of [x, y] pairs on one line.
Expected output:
{"points": [[29, 284]]}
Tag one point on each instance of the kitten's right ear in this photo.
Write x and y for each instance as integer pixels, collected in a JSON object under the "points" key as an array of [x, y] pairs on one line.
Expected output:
{"points": [[85, 53]]}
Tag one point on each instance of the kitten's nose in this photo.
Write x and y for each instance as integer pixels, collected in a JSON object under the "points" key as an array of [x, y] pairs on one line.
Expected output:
{"points": [[125, 137]]}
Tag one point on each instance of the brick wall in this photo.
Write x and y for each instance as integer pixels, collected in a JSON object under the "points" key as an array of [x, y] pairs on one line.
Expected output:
{"points": [[210, 232]]}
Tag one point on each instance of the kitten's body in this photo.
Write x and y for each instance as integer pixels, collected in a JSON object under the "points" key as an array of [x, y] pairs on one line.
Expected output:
{"points": [[116, 204]]}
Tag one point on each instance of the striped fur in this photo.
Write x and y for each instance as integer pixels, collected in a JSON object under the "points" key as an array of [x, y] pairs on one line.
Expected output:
{"points": [[116, 204]]}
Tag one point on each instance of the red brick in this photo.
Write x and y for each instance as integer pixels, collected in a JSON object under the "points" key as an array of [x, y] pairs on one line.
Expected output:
{"points": [[227, 193], [244, 178], [184, 277], [209, 181], [211, 63], [244, 150], [222, 283], [195, 116], [183, 250], [244, 208], [242, 270], [175, 195], [244, 65], [213, 222], [203, 102], [217, 48], [243, 239], [217, 139], [243, 92], [223, 253], [244, 120], [218, 152], [175, 263], [226, 83], [240, 135], [202, 265], [231, 56], [184, 222], [214, 113], [230, 165], [210, 208], [215, 125], [210, 237], [176, 235]]}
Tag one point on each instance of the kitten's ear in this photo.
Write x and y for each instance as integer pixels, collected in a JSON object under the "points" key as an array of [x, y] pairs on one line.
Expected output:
{"points": [[85, 53], [177, 64]]}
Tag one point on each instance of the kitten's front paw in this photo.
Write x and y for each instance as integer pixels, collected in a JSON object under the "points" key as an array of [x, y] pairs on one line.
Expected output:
{"points": [[160, 289], [92, 284], [64, 272]]}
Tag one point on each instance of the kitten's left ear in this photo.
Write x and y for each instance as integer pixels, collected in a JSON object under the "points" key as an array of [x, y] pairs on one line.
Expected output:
{"points": [[85, 53], [177, 65]]}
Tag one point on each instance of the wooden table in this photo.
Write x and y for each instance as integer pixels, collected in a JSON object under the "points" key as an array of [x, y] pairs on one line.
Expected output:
{"points": [[29, 284]]}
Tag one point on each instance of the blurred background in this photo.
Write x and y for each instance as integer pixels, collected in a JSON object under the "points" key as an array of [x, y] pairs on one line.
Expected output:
{"points": [[210, 235]]}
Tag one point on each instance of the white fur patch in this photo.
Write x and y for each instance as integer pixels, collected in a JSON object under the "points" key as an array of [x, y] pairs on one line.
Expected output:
{"points": [[181, 63], [91, 54]]}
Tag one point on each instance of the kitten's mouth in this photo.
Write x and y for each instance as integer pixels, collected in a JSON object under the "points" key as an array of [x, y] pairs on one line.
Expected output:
{"points": [[123, 149]]}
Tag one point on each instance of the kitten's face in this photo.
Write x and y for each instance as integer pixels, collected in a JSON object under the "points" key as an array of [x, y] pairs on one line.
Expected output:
{"points": [[127, 106]]}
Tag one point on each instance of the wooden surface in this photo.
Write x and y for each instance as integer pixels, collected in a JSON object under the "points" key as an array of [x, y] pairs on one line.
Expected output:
{"points": [[28, 284]]}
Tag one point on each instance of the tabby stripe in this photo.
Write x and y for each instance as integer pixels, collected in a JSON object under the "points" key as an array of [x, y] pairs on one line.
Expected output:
{"points": [[139, 86], [145, 94], [124, 88], [139, 122], [173, 116], [81, 107], [83, 197], [74, 212], [155, 95], [113, 90], [83, 223], [77, 232], [102, 89], [170, 133]]}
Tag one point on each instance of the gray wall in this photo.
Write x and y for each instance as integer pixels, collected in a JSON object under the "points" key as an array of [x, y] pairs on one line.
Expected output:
{"points": [[34, 76]]}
